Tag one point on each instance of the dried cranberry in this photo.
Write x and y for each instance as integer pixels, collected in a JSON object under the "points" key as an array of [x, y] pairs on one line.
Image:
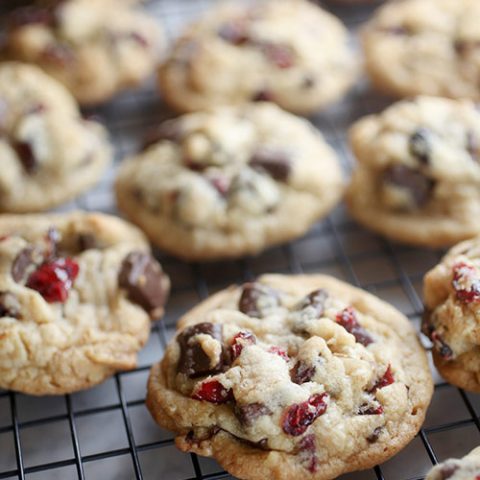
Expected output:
{"points": [[280, 352], [240, 340], [307, 453], [282, 56], [302, 372], [221, 184], [347, 318], [214, 392], [373, 437], [384, 381], [448, 469], [299, 417], [53, 279], [368, 409], [441, 346], [466, 283]]}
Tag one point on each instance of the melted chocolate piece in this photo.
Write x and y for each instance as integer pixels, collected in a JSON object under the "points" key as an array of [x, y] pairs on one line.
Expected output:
{"points": [[255, 297], [373, 438], [315, 299], [247, 414], [86, 241], [21, 264], [275, 162], [9, 305], [194, 362], [418, 185], [419, 145], [26, 156], [302, 372], [142, 276]]}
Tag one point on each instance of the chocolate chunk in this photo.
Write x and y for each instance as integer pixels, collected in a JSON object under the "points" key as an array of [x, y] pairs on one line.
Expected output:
{"points": [[275, 162], [170, 130], [194, 361], [9, 305], [464, 47], [447, 470], [418, 185], [26, 156], [473, 146], [256, 298], [308, 82], [142, 276], [302, 372], [21, 264], [247, 414], [315, 299], [419, 145], [263, 95], [373, 438], [234, 32], [86, 241]]}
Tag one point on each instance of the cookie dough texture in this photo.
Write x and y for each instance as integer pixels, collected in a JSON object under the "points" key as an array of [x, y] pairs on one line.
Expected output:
{"points": [[50, 154], [95, 48], [418, 174], [426, 47], [54, 344], [290, 52], [466, 468], [229, 182], [316, 341], [452, 304]]}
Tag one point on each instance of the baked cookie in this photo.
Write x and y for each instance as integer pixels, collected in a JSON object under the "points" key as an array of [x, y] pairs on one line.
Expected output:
{"points": [[452, 306], [466, 468], [229, 182], [292, 377], [418, 173], [428, 47], [290, 52], [77, 294], [95, 48], [50, 154]]}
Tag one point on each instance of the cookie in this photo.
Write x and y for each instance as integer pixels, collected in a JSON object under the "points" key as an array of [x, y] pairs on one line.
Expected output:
{"points": [[466, 468], [452, 304], [292, 377], [418, 174], [425, 47], [50, 154], [289, 52], [229, 182], [77, 295], [95, 48]]}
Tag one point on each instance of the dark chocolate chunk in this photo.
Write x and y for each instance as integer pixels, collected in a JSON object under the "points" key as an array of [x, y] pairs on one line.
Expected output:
{"points": [[373, 438], [464, 47], [275, 162], [247, 414], [21, 264], [142, 276], [234, 32], [256, 297], [419, 145], [308, 82], [170, 130], [302, 372], [315, 299], [263, 95], [194, 362], [9, 305], [447, 470], [26, 156], [86, 241], [418, 185]]}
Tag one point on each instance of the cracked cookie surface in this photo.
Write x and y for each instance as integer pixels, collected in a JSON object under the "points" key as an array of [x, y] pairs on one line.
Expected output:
{"points": [[426, 47], [418, 173], [229, 182], [452, 307], [77, 294], [292, 377], [466, 468], [290, 52], [95, 48], [50, 154]]}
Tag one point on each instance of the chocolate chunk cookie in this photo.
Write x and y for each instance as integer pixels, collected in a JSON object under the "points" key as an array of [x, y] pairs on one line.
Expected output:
{"points": [[452, 305], [316, 379], [429, 47], [50, 154], [95, 48], [418, 173], [286, 51], [229, 182], [72, 315], [466, 468]]}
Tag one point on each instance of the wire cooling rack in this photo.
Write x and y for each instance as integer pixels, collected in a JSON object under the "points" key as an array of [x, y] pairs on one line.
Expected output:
{"points": [[106, 432]]}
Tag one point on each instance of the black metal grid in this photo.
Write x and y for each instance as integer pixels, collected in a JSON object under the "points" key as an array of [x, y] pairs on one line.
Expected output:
{"points": [[106, 432]]}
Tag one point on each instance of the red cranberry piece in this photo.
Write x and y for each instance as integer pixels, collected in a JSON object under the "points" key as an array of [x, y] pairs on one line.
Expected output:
{"points": [[307, 453], [347, 318], [213, 392], [302, 372], [299, 417], [466, 283], [281, 56], [221, 184], [441, 346], [384, 381], [367, 409], [53, 279], [374, 436], [241, 340], [280, 352]]}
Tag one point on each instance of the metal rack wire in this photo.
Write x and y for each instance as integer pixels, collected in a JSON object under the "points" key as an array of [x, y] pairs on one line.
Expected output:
{"points": [[106, 432]]}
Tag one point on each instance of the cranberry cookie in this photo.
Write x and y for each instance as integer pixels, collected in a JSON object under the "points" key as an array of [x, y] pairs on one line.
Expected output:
{"points": [[292, 377], [466, 468], [426, 47], [290, 52], [229, 182], [418, 177], [95, 48], [77, 294], [50, 154], [452, 307]]}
